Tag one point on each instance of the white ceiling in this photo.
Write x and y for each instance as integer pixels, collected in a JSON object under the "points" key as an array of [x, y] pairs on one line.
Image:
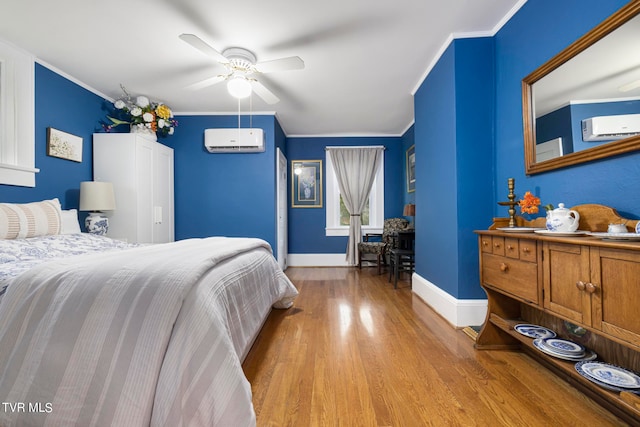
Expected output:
{"points": [[363, 59]]}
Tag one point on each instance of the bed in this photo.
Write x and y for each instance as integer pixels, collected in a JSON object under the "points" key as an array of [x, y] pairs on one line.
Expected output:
{"points": [[94, 331]]}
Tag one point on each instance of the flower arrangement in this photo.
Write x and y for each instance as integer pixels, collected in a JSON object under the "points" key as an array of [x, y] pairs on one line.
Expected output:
{"points": [[146, 115], [529, 204]]}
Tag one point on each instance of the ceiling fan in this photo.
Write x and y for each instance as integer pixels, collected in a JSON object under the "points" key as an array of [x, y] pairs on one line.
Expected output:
{"points": [[241, 67]]}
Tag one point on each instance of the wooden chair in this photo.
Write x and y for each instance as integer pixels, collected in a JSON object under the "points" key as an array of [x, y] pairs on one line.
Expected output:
{"points": [[380, 248], [402, 256]]}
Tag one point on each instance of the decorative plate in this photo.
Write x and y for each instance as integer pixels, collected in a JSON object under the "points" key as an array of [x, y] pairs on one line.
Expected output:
{"points": [[616, 236], [542, 345], [562, 233], [578, 367], [564, 346], [588, 355], [518, 229], [638, 227], [534, 331], [611, 375]]}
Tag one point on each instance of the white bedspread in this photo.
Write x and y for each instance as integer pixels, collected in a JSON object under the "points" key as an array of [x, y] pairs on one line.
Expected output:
{"points": [[152, 335]]}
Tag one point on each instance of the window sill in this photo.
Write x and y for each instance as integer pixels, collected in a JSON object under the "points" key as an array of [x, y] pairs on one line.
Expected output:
{"points": [[18, 175], [344, 231]]}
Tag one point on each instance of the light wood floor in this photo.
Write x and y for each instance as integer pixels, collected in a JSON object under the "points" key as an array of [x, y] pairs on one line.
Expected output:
{"points": [[354, 352]]}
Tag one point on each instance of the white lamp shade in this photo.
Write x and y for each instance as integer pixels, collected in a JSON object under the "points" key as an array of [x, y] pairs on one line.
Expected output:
{"points": [[97, 196], [239, 87]]}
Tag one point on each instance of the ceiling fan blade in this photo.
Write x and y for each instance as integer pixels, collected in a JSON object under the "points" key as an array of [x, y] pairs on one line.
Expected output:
{"points": [[203, 47], [206, 82], [264, 93], [283, 64]]}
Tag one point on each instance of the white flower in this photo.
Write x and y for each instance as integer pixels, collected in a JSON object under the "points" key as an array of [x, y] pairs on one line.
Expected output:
{"points": [[119, 104], [170, 131], [142, 101], [147, 117], [136, 111], [161, 123]]}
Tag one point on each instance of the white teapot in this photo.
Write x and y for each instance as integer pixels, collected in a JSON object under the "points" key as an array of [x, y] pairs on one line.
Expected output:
{"points": [[562, 219]]}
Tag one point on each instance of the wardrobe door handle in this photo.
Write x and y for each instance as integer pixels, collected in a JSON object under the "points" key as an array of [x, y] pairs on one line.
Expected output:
{"points": [[580, 285], [591, 288]]}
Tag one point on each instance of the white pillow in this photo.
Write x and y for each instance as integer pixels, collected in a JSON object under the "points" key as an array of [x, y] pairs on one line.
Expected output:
{"points": [[70, 223], [18, 221]]}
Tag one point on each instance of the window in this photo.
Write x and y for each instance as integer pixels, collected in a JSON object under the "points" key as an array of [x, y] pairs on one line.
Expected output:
{"points": [[17, 112], [337, 215]]}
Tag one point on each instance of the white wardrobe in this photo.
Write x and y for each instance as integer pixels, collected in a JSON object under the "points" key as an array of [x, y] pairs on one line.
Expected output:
{"points": [[141, 171]]}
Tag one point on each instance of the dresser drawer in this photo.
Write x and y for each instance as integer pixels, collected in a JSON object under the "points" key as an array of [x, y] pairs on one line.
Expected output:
{"points": [[497, 245], [527, 250], [511, 247], [513, 276], [485, 244]]}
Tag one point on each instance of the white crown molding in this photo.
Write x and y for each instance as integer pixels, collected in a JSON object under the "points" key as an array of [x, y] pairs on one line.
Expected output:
{"points": [[516, 7], [477, 34], [222, 113], [74, 80], [433, 63], [413, 121], [350, 135]]}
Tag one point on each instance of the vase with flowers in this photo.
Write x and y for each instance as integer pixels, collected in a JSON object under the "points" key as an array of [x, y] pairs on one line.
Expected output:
{"points": [[529, 205], [146, 117]]}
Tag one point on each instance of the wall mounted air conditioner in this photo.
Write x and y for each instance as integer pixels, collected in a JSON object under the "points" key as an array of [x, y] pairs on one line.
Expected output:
{"points": [[234, 140], [607, 128]]}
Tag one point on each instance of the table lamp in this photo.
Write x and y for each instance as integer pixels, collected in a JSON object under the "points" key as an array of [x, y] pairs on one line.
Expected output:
{"points": [[410, 211], [95, 197]]}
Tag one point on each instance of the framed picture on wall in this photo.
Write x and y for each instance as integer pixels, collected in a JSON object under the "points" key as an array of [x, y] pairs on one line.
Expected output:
{"points": [[64, 145], [306, 183], [411, 169]]}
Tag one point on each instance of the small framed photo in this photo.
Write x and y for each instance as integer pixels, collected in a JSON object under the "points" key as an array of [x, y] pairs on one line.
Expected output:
{"points": [[64, 145], [411, 169], [306, 183]]}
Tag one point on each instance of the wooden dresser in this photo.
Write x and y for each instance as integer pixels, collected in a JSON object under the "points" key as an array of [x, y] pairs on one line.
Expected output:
{"points": [[584, 288]]}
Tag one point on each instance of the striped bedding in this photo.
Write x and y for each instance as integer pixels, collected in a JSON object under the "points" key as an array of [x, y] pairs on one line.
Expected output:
{"points": [[150, 335]]}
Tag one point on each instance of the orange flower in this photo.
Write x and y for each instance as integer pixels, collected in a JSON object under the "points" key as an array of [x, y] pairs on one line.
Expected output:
{"points": [[529, 203]]}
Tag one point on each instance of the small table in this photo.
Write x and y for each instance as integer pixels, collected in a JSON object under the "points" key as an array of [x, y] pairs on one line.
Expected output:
{"points": [[402, 254]]}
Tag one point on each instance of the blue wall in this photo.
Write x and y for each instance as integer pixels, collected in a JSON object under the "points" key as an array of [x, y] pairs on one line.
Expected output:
{"points": [[224, 194], [63, 105], [454, 165], [521, 47], [307, 225]]}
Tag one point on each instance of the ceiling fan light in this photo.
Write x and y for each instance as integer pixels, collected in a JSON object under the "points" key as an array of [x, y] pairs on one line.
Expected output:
{"points": [[239, 87]]}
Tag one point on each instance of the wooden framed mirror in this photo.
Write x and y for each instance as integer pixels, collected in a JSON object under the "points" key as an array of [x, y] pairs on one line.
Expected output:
{"points": [[596, 76]]}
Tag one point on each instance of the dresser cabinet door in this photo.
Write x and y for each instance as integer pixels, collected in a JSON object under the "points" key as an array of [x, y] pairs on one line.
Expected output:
{"points": [[615, 293], [566, 273]]}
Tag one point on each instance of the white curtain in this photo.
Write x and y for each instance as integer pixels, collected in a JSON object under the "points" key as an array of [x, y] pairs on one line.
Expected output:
{"points": [[355, 169]]}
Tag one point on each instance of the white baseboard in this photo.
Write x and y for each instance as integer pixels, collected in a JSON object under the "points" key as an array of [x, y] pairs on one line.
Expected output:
{"points": [[317, 260], [460, 313]]}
